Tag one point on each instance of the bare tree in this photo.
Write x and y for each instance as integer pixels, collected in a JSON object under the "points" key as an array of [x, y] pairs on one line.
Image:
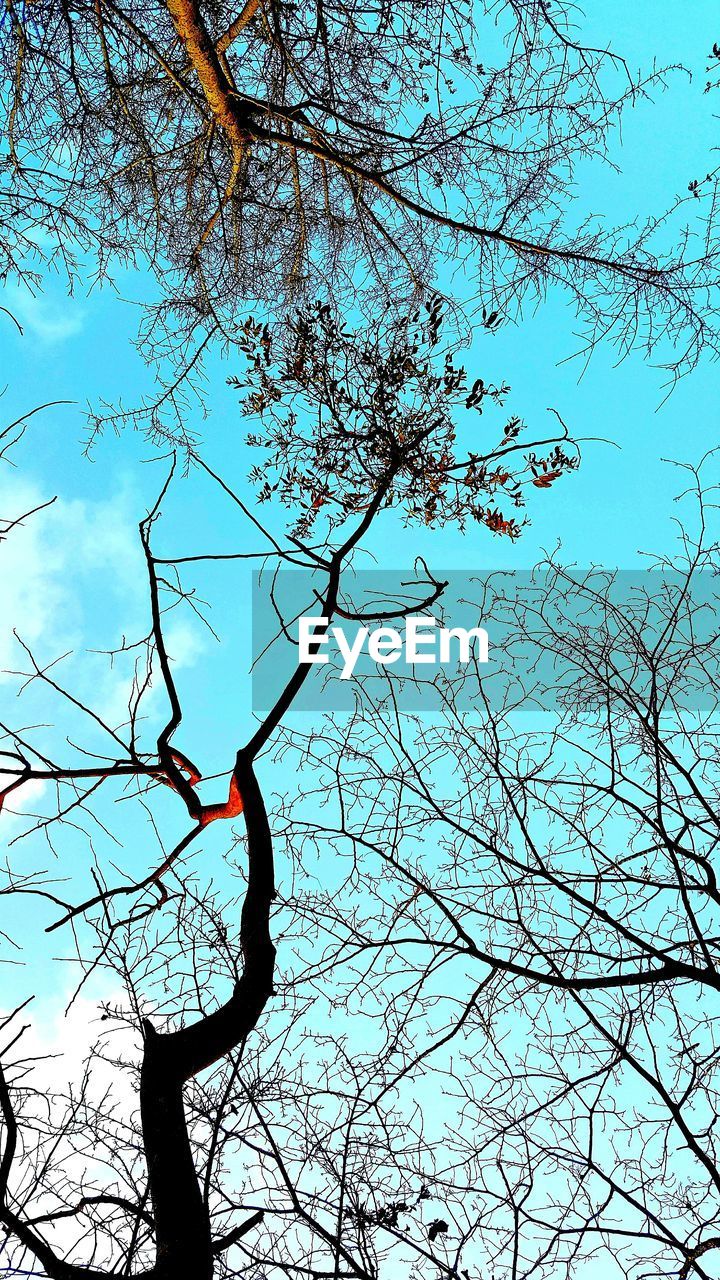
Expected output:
{"points": [[90, 1188], [559, 917], [518, 919], [270, 150]]}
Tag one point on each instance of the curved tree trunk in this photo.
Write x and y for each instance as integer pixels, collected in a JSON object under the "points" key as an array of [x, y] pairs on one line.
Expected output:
{"points": [[182, 1226]]}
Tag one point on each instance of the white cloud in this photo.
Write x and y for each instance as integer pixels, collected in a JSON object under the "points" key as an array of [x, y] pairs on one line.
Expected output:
{"points": [[19, 804], [184, 644], [62, 1031], [48, 319], [45, 560], [60, 1036], [73, 580]]}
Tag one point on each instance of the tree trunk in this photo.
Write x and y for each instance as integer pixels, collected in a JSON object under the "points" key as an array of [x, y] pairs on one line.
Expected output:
{"points": [[182, 1225]]}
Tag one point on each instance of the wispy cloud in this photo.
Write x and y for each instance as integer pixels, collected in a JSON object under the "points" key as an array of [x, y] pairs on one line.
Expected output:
{"points": [[73, 582], [50, 320], [46, 557]]}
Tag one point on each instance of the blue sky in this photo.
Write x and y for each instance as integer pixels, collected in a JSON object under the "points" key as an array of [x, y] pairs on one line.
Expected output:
{"points": [[77, 577], [80, 349]]}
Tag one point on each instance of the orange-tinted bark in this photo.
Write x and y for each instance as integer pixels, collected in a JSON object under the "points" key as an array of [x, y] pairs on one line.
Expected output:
{"points": [[247, 12], [191, 30]]}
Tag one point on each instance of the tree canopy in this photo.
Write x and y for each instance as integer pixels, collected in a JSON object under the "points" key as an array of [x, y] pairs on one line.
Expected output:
{"points": [[314, 932], [342, 149]]}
